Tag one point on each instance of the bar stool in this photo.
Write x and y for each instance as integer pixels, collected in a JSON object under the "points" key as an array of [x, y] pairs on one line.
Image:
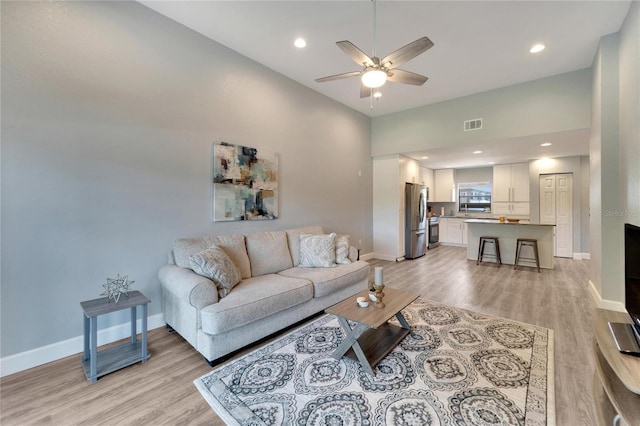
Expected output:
{"points": [[481, 253], [530, 242]]}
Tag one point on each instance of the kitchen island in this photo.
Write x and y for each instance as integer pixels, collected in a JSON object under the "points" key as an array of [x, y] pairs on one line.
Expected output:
{"points": [[508, 233]]}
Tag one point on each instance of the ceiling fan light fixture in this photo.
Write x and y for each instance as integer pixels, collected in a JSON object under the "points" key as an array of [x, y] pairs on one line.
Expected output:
{"points": [[537, 48], [374, 78]]}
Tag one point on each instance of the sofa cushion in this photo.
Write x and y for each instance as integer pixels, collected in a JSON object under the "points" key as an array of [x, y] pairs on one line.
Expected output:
{"points": [[293, 235], [214, 264], [254, 299], [342, 250], [233, 246], [317, 251], [268, 252], [328, 280]]}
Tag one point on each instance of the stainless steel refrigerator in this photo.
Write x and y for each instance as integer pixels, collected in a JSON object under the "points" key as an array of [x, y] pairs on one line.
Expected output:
{"points": [[415, 223]]}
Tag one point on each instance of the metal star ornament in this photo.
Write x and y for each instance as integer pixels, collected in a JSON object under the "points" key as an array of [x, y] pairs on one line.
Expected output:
{"points": [[116, 287]]}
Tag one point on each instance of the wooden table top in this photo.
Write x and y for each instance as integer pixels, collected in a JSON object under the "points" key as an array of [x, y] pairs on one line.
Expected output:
{"points": [[95, 307], [394, 300]]}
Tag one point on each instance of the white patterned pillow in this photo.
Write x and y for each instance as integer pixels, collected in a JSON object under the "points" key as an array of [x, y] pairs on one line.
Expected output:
{"points": [[214, 264], [342, 250], [317, 251]]}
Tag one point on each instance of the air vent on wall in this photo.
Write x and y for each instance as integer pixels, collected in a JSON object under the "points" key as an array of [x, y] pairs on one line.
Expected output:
{"points": [[475, 124]]}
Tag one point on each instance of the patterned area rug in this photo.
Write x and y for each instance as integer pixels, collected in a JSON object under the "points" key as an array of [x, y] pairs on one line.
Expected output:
{"points": [[456, 367]]}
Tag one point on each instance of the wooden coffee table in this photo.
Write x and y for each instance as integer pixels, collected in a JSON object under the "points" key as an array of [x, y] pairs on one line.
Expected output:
{"points": [[372, 337]]}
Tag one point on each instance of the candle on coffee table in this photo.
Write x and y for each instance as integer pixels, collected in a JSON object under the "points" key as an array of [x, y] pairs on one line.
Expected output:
{"points": [[378, 275]]}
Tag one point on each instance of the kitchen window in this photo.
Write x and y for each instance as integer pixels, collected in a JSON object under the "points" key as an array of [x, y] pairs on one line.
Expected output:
{"points": [[474, 197]]}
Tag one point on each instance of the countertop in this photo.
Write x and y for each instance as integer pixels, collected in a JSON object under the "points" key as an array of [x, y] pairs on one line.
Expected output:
{"points": [[466, 217], [497, 222]]}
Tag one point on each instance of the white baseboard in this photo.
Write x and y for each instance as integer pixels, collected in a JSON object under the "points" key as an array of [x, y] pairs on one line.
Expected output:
{"points": [[55, 351], [367, 256], [581, 256], [611, 305], [381, 257]]}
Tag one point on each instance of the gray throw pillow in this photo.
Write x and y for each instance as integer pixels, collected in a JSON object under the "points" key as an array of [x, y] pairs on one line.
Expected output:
{"points": [[214, 264], [317, 251]]}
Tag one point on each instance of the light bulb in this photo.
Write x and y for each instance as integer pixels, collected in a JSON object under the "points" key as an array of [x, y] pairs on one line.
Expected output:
{"points": [[374, 78], [537, 48]]}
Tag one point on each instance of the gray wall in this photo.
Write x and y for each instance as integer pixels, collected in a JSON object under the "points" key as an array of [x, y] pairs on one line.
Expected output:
{"points": [[557, 103], [630, 114], [606, 266], [614, 154], [473, 174], [109, 111]]}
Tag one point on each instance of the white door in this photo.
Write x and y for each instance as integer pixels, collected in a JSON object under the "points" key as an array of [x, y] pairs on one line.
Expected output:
{"points": [[548, 199], [564, 214], [556, 208]]}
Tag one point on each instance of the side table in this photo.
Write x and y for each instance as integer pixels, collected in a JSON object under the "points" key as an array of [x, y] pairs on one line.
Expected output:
{"points": [[97, 364]]}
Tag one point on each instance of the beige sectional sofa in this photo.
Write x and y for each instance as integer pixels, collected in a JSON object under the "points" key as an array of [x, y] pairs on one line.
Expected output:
{"points": [[274, 291]]}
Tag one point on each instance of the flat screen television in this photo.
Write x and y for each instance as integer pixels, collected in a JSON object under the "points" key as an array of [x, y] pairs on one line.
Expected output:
{"points": [[632, 272], [627, 336]]}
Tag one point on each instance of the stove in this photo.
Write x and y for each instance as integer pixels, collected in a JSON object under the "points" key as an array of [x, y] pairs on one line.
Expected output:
{"points": [[433, 239]]}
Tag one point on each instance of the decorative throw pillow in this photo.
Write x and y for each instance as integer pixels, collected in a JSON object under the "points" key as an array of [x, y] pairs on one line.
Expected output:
{"points": [[214, 264], [317, 251], [342, 250]]}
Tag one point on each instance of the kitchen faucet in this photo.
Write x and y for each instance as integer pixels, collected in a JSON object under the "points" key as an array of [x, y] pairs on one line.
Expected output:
{"points": [[466, 209]]}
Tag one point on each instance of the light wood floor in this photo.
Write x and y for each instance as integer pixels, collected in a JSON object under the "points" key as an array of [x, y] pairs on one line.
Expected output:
{"points": [[161, 391]]}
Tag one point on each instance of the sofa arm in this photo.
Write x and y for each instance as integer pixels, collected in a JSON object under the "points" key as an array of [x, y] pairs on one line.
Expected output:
{"points": [[187, 285]]}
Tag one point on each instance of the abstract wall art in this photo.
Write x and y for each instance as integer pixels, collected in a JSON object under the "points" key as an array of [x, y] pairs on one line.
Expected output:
{"points": [[245, 183]]}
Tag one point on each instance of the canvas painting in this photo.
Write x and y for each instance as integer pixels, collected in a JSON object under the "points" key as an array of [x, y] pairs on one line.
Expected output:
{"points": [[245, 183]]}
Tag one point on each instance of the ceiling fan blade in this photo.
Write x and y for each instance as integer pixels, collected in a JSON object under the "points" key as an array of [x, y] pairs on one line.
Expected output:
{"points": [[365, 91], [406, 77], [407, 52], [356, 55], [338, 76]]}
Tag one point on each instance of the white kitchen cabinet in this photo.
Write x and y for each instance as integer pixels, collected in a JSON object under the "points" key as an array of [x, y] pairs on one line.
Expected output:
{"points": [[444, 186], [409, 170], [512, 209], [501, 191], [511, 183], [520, 182], [455, 231], [442, 230], [510, 194], [426, 179], [464, 234]]}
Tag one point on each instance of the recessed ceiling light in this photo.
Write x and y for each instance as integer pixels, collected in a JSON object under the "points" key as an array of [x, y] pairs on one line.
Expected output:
{"points": [[447, 167], [492, 162], [377, 94], [424, 158], [537, 48], [300, 43], [477, 152], [546, 144]]}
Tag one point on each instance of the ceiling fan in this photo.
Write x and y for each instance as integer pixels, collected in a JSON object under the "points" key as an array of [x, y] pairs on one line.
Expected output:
{"points": [[377, 71]]}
